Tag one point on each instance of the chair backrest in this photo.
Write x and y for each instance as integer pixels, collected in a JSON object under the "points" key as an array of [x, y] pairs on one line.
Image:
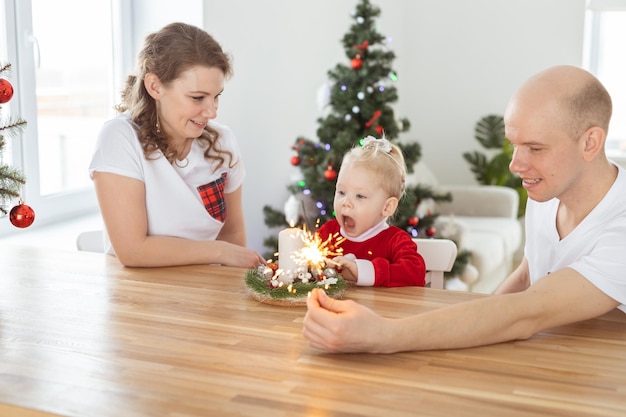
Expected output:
{"points": [[91, 241], [439, 256]]}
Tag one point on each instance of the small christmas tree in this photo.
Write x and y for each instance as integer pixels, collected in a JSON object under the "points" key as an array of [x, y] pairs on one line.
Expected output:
{"points": [[359, 97], [11, 179]]}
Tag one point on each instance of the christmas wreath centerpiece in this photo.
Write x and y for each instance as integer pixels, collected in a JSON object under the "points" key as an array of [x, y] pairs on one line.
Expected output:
{"points": [[309, 266]]}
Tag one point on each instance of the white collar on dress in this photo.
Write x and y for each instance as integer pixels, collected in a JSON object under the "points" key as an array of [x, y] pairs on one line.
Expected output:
{"points": [[368, 234]]}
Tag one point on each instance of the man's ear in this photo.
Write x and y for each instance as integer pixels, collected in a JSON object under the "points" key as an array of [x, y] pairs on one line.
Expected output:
{"points": [[153, 85], [390, 206], [594, 139]]}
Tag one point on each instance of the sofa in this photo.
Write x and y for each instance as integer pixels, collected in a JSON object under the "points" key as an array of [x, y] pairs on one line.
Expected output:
{"points": [[481, 219]]}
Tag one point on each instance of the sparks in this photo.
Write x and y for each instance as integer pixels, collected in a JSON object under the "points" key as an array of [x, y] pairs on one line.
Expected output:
{"points": [[316, 253]]}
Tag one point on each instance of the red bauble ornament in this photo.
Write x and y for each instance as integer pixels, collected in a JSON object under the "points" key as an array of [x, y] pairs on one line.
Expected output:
{"points": [[357, 63], [362, 46], [379, 129], [330, 174], [6, 91], [413, 221], [22, 215], [375, 117], [295, 160], [430, 232]]}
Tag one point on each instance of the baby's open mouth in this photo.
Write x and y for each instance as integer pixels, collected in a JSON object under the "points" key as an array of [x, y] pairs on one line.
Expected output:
{"points": [[348, 222]]}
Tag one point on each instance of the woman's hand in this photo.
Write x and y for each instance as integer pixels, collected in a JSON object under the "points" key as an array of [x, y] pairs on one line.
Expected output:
{"points": [[240, 256]]}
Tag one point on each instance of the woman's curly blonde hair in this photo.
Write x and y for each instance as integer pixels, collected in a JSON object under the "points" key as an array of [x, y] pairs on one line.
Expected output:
{"points": [[168, 53]]}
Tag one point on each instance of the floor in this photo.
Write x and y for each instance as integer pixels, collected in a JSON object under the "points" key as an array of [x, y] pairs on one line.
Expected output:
{"points": [[60, 235]]}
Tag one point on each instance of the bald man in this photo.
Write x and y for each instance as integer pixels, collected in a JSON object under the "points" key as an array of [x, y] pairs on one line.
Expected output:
{"points": [[574, 266]]}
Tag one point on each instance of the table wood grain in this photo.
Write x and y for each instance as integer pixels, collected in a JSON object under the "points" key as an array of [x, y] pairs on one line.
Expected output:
{"points": [[80, 335]]}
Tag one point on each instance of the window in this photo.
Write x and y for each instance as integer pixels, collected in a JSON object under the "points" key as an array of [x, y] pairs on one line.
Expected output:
{"points": [[62, 68], [69, 60], [74, 97], [605, 28]]}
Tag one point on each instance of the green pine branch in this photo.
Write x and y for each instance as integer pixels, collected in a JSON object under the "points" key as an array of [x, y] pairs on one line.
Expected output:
{"points": [[11, 182], [11, 179], [6, 67], [12, 127]]}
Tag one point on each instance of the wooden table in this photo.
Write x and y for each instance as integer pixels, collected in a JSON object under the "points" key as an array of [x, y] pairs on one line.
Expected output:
{"points": [[81, 335]]}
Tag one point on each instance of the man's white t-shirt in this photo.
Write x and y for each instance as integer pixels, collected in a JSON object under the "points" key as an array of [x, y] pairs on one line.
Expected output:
{"points": [[174, 193], [596, 248]]}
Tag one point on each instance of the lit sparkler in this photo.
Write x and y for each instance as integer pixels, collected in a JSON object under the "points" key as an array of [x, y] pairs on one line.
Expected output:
{"points": [[317, 253]]}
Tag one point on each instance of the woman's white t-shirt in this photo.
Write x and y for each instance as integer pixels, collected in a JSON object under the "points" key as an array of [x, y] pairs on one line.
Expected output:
{"points": [[184, 200], [596, 248]]}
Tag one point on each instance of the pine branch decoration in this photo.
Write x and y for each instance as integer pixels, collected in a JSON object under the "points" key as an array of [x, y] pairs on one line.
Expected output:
{"points": [[11, 178], [258, 286]]}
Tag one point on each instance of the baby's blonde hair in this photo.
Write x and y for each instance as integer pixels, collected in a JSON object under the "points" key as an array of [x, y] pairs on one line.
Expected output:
{"points": [[384, 159]]}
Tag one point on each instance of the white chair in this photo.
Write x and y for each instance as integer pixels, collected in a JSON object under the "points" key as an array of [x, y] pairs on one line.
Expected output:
{"points": [[91, 241], [439, 256]]}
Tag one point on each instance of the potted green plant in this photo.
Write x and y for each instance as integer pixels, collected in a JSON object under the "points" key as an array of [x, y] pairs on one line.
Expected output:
{"points": [[493, 169]]}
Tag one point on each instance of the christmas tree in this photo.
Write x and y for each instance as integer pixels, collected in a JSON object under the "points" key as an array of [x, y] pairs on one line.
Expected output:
{"points": [[11, 179], [360, 93]]}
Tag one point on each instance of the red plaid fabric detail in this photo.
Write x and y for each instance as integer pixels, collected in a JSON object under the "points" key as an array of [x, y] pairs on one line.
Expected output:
{"points": [[213, 198]]}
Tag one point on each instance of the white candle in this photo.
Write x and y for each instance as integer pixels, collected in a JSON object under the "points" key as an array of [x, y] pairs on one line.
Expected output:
{"points": [[289, 241]]}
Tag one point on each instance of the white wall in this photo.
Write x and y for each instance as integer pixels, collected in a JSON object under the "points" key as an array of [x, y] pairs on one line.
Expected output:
{"points": [[457, 61], [148, 16]]}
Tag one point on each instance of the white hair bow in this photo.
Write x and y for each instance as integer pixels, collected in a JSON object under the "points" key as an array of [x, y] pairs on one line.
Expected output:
{"points": [[371, 142]]}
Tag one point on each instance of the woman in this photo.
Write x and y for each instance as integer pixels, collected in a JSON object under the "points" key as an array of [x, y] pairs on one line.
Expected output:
{"points": [[168, 178]]}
